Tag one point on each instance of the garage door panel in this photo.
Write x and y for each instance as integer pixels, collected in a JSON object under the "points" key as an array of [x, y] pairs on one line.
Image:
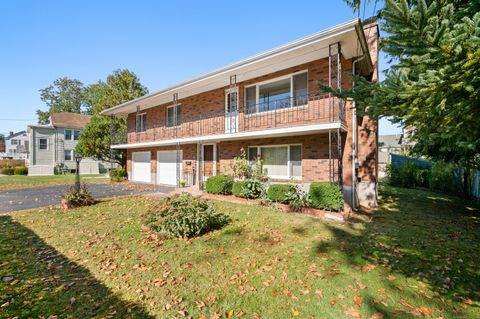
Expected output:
{"points": [[167, 167], [141, 167]]}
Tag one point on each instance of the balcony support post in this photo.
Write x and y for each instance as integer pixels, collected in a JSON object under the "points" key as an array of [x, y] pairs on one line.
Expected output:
{"points": [[334, 75]]}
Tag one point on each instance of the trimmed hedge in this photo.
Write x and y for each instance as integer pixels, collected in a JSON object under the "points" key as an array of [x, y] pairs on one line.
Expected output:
{"points": [[326, 196], [8, 171], [238, 189], [278, 192], [21, 170], [220, 184]]}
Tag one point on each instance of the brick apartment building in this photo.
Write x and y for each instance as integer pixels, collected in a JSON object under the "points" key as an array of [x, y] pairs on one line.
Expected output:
{"points": [[270, 106]]}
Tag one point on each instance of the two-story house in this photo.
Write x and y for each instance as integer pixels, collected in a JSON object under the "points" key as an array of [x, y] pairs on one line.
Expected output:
{"points": [[52, 146], [270, 106], [16, 146]]}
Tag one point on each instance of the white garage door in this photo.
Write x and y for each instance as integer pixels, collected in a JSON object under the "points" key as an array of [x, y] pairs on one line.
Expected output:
{"points": [[167, 167], [141, 167]]}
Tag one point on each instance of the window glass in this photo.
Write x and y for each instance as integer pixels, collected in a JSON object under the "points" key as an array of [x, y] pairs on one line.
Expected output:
{"points": [[141, 122], [68, 155], [252, 155], [76, 135], [231, 102], [296, 161], [43, 144], [275, 161], [275, 95], [68, 135], [171, 116], [300, 89], [13, 142], [250, 99]]}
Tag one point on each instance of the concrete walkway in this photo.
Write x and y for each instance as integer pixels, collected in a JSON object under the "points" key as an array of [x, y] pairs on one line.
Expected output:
{"points": [[27, 198]]}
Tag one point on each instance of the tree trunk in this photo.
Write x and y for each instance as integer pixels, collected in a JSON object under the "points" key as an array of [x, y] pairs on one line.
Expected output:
{"points": [[466, 183]]}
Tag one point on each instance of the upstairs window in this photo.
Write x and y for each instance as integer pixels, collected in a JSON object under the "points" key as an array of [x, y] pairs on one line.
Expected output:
{"points": [[72, 135], [43, 144], [141, 124], [277, 94], [171, 116], [14, 142]]}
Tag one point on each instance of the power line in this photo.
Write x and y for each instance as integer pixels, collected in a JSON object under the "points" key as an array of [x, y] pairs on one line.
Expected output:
{"points": [[18, 120]]}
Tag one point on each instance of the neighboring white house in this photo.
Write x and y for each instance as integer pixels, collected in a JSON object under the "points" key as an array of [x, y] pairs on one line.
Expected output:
{"points": [[52, 146], [16, 146]]}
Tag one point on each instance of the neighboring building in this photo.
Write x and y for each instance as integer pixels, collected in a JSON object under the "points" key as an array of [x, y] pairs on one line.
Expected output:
{"points": [[269, 105], [52, 146], [16, 146], [392, 144], [2, 144]]}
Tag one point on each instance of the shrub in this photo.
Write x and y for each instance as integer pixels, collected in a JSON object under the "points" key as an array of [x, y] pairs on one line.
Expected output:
{"points": [[278, 192], [21, 170], [238, 189], [118, 174], [326, 196], [220, 184], [442, 177], [78, 198], [7, 170], [241, 166], [185, 216], [408, 174], [257, 171], [297, 198], [249, 188]]}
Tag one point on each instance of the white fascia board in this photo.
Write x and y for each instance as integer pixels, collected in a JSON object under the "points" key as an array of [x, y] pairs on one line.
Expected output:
{"points": [[308, 40], [279, 132]]}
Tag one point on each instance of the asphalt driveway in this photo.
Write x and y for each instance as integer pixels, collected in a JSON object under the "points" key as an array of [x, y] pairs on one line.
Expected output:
{"points": [[27, 198]]}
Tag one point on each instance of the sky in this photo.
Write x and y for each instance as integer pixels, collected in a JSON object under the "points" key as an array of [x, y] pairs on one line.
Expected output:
{"points": [[163, 42]]}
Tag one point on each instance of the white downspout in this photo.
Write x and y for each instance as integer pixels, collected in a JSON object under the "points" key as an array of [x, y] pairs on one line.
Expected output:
{"points": [[354, 136]]}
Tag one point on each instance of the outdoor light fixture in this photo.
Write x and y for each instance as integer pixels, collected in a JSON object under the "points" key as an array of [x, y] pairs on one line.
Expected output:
{"points": [[77, 158]]}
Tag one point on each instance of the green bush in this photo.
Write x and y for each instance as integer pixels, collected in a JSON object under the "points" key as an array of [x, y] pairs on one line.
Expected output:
{"points": [[78, 198], [278, 192], [442, 177], [249, 188], [297, 198], [185, 216], [220, 184], [7, 170], [326, 196], [118, 174], [408, 175], [21, 170], [238, 189]]}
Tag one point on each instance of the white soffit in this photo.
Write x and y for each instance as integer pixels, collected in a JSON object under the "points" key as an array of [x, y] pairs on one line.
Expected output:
{"points": [[301, 51]]}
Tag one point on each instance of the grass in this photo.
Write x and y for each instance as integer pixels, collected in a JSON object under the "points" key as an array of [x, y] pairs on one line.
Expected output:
{"points": [[416, 257], [23, 181]]}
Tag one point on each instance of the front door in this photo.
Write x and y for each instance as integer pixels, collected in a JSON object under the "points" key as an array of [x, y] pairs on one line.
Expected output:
{"points": [[231, 111], [209, 168]]}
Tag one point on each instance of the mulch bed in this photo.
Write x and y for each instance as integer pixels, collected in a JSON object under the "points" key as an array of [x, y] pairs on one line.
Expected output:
{"points": [[336, 216]]}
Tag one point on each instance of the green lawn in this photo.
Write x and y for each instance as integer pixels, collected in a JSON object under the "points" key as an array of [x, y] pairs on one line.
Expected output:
{"points": [[22, 181], [417, 256]]}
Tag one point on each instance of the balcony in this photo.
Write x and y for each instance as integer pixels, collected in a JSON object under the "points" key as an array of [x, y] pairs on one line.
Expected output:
{"points": [[291, 112]]}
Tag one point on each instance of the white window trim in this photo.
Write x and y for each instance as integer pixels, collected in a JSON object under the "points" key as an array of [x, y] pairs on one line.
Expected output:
{"points": [[289, 162], [227, 93], [72, 154], [257, 90], [144, 124], [43, 149], [166, 115], [65, 134]]}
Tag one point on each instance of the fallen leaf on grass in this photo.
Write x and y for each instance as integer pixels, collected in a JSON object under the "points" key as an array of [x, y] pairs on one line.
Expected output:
{"points": [[319, 292], [377, 315], [295, 312], [391, 277], [357, 300]]}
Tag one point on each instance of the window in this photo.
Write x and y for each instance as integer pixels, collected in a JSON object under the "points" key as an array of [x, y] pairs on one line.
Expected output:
{"points": [[277, 94], [69, 155], [141, 124], [43, 144], [14, 142], [72, 135], [171, 116], [283, 161]]}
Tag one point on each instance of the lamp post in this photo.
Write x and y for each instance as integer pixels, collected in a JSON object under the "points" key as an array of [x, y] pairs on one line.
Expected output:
{"points": [[77, 158]]}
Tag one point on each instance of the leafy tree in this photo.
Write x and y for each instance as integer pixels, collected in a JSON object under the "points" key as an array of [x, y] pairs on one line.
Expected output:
{"points": [[64, 95], [102, 131], [433, 83]]}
